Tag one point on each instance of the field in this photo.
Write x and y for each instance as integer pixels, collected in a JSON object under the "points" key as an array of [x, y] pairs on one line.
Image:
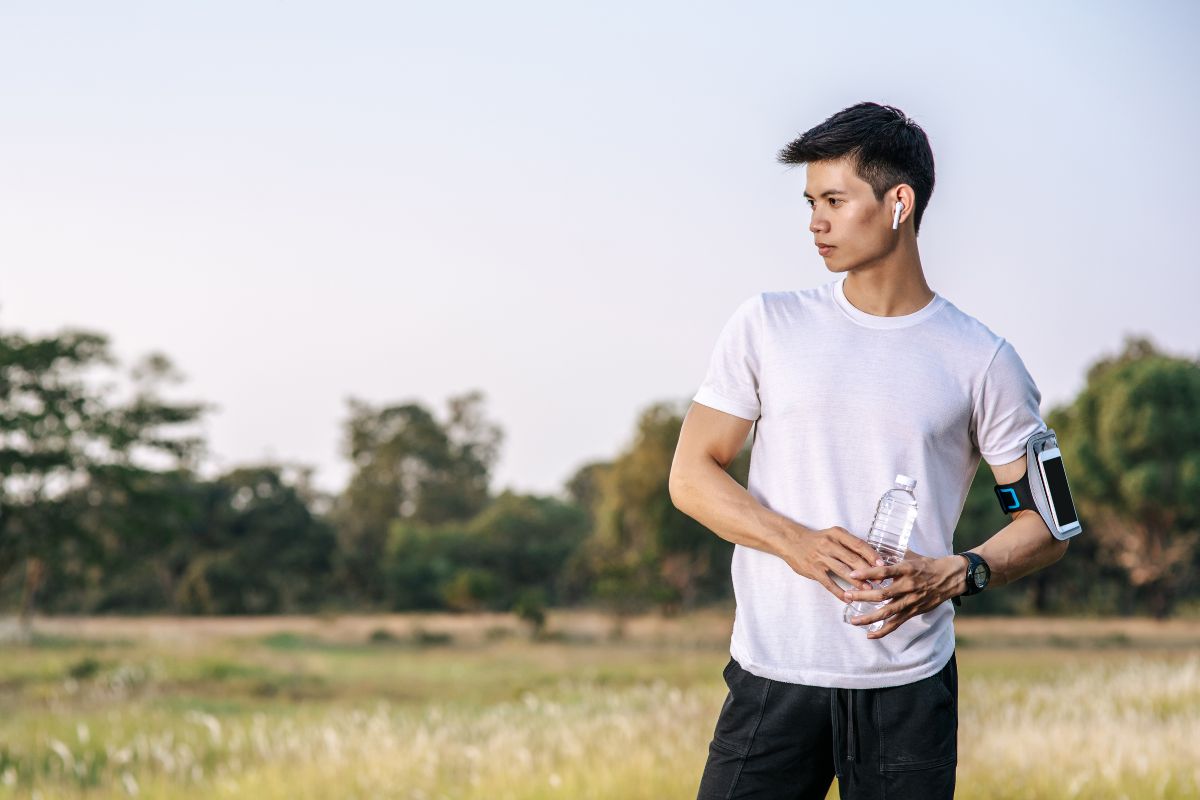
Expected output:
{"points": [[469, 707]]}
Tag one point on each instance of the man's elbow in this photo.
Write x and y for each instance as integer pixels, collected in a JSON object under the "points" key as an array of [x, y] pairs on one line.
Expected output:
{"points": [[677, 487], [683, 482], [1057, 548], [1060, 548]]}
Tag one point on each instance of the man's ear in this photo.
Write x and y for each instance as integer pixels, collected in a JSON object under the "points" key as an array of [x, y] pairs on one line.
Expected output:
{"points": [[905, 194]]}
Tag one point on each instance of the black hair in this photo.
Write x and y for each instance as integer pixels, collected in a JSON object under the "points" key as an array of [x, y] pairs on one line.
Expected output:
{"points": [[885, 147]]}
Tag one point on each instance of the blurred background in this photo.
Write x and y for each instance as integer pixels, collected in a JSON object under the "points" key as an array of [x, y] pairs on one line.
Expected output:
{"points": [[344, 351]]}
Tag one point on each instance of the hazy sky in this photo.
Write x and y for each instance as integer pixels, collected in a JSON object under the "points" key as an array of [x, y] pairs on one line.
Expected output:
{"points": [[561, 203]]}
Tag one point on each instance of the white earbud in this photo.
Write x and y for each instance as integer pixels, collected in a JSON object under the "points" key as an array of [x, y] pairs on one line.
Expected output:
{"points": [[896, 216]]}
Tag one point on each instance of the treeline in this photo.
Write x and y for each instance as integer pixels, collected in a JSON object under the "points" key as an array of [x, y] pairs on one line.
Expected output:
{"points": [[103, 508]]}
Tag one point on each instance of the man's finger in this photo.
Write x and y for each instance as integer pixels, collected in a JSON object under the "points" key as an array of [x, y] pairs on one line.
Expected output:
{"points": [[879, 634], [876, 615], [834, 589], [852, 560], [840, 574], [890, 624], [842, 570], [896, 607], [895, 589], [894, 623], [859, 548], [877, 573], [905, 610]]}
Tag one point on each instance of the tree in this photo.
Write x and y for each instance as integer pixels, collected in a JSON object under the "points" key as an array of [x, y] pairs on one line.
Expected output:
{"points": [[584, 487], [256, 548], [516, 547], [58, 431], [137, 536], [643, 550], [408, 467], [1132, 440]]}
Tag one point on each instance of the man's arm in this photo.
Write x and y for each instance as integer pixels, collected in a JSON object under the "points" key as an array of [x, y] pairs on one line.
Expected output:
{"points": [[920, 584], [701, 488], [1023, 546]]}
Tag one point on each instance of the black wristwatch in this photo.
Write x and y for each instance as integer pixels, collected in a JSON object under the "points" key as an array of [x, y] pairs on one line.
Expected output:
{"points": [[978, 574]]}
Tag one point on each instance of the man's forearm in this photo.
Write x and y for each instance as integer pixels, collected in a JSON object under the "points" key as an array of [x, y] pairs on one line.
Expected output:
{"points": [[712, 497], [1019, 548]]}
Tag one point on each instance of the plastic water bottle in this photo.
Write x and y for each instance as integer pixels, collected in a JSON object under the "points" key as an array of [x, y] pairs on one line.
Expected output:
{"points": [[894, 519]]}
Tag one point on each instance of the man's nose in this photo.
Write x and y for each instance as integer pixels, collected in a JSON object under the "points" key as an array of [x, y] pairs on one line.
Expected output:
{"points": [[817, 224]]}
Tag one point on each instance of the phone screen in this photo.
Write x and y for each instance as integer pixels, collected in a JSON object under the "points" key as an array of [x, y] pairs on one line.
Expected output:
{"points": [[1060, 493]]}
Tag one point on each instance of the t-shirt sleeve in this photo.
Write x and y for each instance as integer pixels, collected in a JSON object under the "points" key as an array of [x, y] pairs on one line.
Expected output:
{"points": [[734, 369], [1006, 411]]}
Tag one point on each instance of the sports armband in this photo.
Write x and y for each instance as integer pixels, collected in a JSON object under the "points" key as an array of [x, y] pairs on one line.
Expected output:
{"points": [[1047, 492]]}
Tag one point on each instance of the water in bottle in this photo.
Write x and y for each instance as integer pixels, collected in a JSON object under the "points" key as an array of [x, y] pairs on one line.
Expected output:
{"points": [[894, 519]]}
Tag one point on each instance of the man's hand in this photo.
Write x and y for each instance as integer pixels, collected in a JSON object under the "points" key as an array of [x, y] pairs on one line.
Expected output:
{"points": [[826, 553], [918, 584]]}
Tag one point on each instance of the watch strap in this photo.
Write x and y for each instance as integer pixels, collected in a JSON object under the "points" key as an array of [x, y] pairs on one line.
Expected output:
{"points": [[973, 559]]}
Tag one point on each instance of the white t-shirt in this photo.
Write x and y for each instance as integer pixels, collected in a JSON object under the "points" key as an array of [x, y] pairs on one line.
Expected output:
{"points": [[844, 400]]}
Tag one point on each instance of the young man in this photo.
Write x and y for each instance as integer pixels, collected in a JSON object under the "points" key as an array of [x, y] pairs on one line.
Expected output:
{"points": [[848, 384]]}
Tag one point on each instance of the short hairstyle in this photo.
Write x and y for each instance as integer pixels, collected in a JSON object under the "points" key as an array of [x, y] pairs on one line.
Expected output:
{"points": [[885, 147]]}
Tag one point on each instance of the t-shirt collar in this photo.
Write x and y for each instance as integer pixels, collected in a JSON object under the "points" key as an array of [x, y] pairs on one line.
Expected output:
{"points": [[872, 321]]}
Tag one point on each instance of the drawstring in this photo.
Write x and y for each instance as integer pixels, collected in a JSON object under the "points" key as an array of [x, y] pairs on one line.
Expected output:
{"points": [[851, 749], [851, 753]]}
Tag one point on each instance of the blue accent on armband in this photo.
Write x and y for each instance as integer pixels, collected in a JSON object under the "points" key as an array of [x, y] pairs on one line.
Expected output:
{"points": [[1015, 502]]}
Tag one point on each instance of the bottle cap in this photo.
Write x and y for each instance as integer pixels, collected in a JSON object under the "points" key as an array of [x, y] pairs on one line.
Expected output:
{"points": [[905, 481]]}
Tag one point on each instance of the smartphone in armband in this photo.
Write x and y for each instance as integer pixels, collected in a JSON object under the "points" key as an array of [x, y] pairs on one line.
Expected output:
{"points": [[1054, 479], [1048, 494]]}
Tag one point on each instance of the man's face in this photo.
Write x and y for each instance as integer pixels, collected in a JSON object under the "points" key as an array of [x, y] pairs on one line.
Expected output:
{"points": [[846, 215]]}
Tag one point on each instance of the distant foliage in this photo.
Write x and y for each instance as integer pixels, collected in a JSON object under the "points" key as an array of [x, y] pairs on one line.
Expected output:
{"points": [[490, 562], [644, 552], [103, 507], [71, 448], [409, 468], [1132, 437]]}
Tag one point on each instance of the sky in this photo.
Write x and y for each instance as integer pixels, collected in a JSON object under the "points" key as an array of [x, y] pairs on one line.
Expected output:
{"points": [[560, 204]]}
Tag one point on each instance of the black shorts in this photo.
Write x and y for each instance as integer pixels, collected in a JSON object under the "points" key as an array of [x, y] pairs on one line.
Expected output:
{"points": [[788, 741]]}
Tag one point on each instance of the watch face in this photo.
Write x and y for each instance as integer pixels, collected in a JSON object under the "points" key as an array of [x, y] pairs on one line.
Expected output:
{"points": [[981, 576]]}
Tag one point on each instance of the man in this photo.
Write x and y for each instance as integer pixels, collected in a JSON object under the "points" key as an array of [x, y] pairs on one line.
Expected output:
{"points": [[849, 384]]}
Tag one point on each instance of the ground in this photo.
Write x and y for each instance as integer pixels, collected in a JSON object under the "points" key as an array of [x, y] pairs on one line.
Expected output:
{"points": [[468, 706]]}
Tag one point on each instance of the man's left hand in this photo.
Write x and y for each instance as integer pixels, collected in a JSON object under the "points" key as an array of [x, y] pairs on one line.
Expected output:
{"points": [[919, 584]]}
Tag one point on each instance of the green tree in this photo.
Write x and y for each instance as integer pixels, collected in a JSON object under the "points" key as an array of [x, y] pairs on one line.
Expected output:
{"points": [[583, 488], [516, 544], [408, 467], [644, 551], [256, 547], [136, 540], [59, 430], [1132, 440]]}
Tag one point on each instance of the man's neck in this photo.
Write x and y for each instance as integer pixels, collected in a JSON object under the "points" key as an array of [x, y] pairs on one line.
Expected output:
{"points": [[892, 287]]}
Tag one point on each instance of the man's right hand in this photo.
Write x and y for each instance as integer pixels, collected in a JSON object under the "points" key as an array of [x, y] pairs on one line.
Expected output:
{"points": [[821, 554]]}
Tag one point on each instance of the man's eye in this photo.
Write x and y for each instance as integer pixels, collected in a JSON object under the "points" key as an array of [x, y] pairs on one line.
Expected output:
{"points": [[833, 201]]}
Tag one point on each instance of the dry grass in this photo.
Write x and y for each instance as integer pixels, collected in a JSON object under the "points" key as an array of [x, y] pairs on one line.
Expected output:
{"points": [[708, 627], [306, 707]]}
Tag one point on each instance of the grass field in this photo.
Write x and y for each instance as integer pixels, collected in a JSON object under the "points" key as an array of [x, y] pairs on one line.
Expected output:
{"points": [[439, 706]]}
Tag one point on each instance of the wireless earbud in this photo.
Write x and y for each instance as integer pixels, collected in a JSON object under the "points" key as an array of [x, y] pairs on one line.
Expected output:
{"points": [[896, 216]]}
